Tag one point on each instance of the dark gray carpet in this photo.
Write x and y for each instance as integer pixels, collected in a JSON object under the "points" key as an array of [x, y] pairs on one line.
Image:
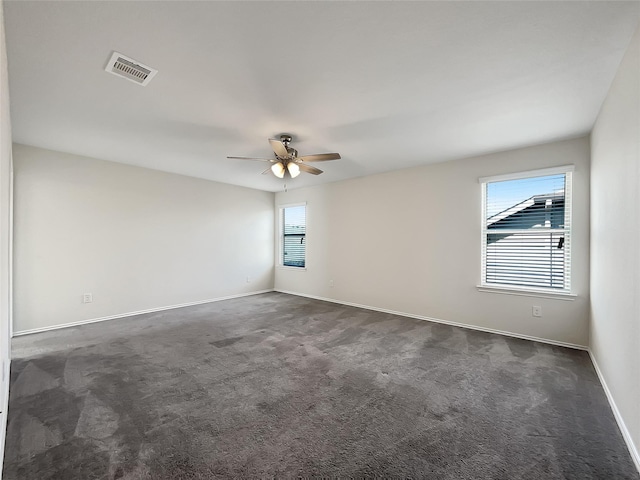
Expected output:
{"points": [[278, 385]]}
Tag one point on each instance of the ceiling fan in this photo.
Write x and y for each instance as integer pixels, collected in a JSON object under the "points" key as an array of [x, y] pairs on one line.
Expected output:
{"points": [[287, 161]]}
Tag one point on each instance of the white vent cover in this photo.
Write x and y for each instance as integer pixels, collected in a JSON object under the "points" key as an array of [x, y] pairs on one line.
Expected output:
{"points": [[130, 69]]}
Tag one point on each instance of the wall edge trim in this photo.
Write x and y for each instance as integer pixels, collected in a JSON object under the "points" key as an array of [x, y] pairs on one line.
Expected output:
{"points": [[439, 320], [633, 451], [4, 414], [139, 312]]}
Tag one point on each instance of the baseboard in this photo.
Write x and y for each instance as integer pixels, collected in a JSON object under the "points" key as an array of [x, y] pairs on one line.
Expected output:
{"points": [[131, 314], [616, 413], [5, 409], [439, 320]]}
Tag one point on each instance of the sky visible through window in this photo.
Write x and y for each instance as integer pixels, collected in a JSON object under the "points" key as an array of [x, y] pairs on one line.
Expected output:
{"points": [[506, 194]]}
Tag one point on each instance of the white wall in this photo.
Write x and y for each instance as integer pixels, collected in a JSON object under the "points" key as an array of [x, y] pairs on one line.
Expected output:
{"points": [[5, 234], [615, 243], [135, 238], [409, 241]]}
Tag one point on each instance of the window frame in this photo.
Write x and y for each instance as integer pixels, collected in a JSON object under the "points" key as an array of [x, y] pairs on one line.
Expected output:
{"points": [[565, 293], [280, 234]]}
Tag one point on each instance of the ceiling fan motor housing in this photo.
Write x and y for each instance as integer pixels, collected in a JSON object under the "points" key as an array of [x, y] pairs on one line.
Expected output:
{"points": [[293, 152]]}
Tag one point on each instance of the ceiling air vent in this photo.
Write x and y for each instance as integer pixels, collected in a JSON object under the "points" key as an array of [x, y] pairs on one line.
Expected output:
{"points": [[130, 69]]}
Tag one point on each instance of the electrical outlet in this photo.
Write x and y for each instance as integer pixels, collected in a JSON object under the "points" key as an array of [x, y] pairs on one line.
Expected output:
{"points": [[536, 311], [87, 298], [331, 283]]}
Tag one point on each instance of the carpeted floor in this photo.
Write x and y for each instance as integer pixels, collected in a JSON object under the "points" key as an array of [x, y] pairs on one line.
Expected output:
{"points": [[278, 385]]}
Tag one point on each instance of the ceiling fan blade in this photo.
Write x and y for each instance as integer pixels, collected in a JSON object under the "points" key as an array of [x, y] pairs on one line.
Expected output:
{"points": [[268, 170], [309, 168], [254, 158], [320, 157], [278, 148]]}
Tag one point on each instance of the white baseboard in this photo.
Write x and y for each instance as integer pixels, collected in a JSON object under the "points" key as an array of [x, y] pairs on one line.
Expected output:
{"points": [[131, 314], [439, 320], [616, 413]]}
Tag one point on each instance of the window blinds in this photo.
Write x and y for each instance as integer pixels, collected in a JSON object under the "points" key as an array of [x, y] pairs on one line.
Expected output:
{"points": [[294, 221], [526, 232]]}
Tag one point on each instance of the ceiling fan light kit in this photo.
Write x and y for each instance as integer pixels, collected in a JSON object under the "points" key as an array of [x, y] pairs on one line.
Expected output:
{"points": [[287, 160], [278, 169], [294, 169]]}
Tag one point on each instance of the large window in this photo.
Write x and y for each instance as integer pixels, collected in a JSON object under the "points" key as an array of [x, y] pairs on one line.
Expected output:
{"points": [[526, 230], [293, 221]]}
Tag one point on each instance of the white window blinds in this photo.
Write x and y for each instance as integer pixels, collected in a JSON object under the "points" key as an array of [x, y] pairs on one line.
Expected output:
{"points": [[294, 229], [526, 232]]}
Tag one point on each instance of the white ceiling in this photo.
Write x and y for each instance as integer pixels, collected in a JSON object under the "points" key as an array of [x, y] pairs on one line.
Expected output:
{"points": [[386, 84]]}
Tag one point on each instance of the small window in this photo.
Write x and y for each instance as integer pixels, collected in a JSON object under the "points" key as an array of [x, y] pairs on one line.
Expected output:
{"points": [[526, 230], [293, 236]]}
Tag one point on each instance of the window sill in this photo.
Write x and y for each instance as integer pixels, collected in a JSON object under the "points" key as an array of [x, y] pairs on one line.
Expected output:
{"points": [[528, 292], [286, 267]]}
